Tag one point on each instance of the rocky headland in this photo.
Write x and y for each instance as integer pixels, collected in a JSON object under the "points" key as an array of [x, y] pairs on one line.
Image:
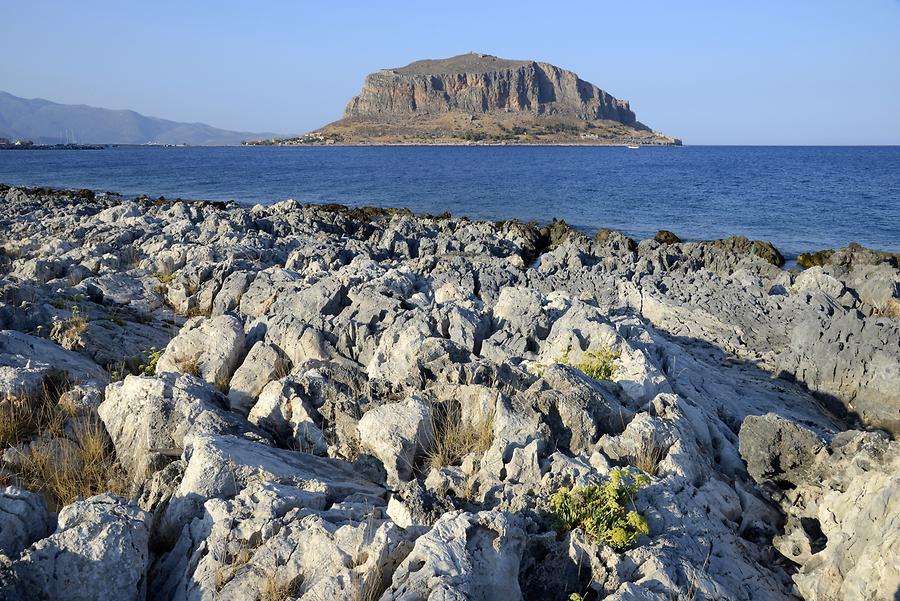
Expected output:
{"points": [[211, 401], [478, 98]]}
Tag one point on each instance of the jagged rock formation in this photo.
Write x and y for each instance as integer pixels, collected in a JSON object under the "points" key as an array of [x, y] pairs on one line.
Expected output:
{"points": [[365, 404], [478, 97]]}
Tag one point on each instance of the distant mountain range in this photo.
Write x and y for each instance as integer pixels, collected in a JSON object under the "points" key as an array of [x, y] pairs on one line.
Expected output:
{"points": [[45, 122]]}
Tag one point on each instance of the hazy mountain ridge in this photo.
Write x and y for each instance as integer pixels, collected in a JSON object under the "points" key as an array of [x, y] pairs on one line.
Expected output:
{"points": [[46, 122]]}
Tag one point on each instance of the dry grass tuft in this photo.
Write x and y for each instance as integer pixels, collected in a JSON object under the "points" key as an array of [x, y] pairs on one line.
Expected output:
{"points": [[454, 438], [649, 454], [129, 258], [199, 311], [366, 589], [22, 418], [70, 456], [232, 563], [80, 468], [273, 589], [189, 366], [16, 421]]}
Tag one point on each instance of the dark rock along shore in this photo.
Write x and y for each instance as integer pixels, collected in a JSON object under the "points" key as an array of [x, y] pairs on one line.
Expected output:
{"points": [[282, 442]]}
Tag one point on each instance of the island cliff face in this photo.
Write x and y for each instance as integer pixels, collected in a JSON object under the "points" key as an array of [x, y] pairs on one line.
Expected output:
{"points": [[480, 84], [479, 98]]}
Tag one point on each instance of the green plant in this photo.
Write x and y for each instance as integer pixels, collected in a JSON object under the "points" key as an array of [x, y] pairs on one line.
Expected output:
{"points": [[149, 368], [164, 277], [68, 333], [601, 510], [598, 365]]}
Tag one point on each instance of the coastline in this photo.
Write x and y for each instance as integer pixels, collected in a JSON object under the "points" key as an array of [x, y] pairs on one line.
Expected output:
{"points": [[788, 260], [431, 387]]}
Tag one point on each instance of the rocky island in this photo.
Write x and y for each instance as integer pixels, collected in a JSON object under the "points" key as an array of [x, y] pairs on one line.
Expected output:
{"points": [[210, 401], [479, 98]]}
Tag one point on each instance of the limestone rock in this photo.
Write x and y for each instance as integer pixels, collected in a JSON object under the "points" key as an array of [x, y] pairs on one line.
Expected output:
{"points": [[285, 410], [99, 551], [23, 520], [262, 364], [148, 419], [475, 82], [472, 556], [397, 434], [841, 497], [210, 348], [778, 449], [220, 466], [27, 362]]}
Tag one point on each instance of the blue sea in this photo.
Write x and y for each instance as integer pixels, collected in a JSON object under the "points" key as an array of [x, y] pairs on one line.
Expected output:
{"points": [[800, 198]]}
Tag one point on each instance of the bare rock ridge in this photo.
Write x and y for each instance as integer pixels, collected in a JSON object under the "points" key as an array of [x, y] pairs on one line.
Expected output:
{"points": [[479, 98], [480, 84]]}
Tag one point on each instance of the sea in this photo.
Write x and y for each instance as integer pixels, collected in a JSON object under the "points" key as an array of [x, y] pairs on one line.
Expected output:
{"points": [[799, 198]]}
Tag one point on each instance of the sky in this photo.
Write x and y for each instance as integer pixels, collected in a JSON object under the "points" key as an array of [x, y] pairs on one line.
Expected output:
{"points": [[710, 72]]}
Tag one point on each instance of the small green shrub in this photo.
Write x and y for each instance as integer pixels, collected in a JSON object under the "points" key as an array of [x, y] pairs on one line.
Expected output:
{"points": [[601, 510], [598, 365], [163, 277], [68, 332], [149, 368]]}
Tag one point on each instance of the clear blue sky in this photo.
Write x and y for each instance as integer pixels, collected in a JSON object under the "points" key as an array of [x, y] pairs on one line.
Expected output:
{"points": [[712, 72]]}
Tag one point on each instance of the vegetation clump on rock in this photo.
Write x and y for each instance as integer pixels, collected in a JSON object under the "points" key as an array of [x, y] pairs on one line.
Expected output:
{"points": [[602, 510], [598, 365]]}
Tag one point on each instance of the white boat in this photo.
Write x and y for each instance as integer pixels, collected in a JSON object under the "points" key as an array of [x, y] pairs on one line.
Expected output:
{"points": [[633, 147]]}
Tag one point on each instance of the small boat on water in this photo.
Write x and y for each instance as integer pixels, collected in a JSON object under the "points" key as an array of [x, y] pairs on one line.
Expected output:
{"points": [[634, 147]]}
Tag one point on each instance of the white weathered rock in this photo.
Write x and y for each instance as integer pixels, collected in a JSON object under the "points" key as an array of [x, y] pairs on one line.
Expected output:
{"points": [[262, 364], [222, 466], [26, 362], [465, 556], [370, 308], [815, 279], [99, 551], [23, 520], [397, 434], [208, 347], [842, 505], [283, 410], [396, 356], [149, 418], [278, 534]]}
